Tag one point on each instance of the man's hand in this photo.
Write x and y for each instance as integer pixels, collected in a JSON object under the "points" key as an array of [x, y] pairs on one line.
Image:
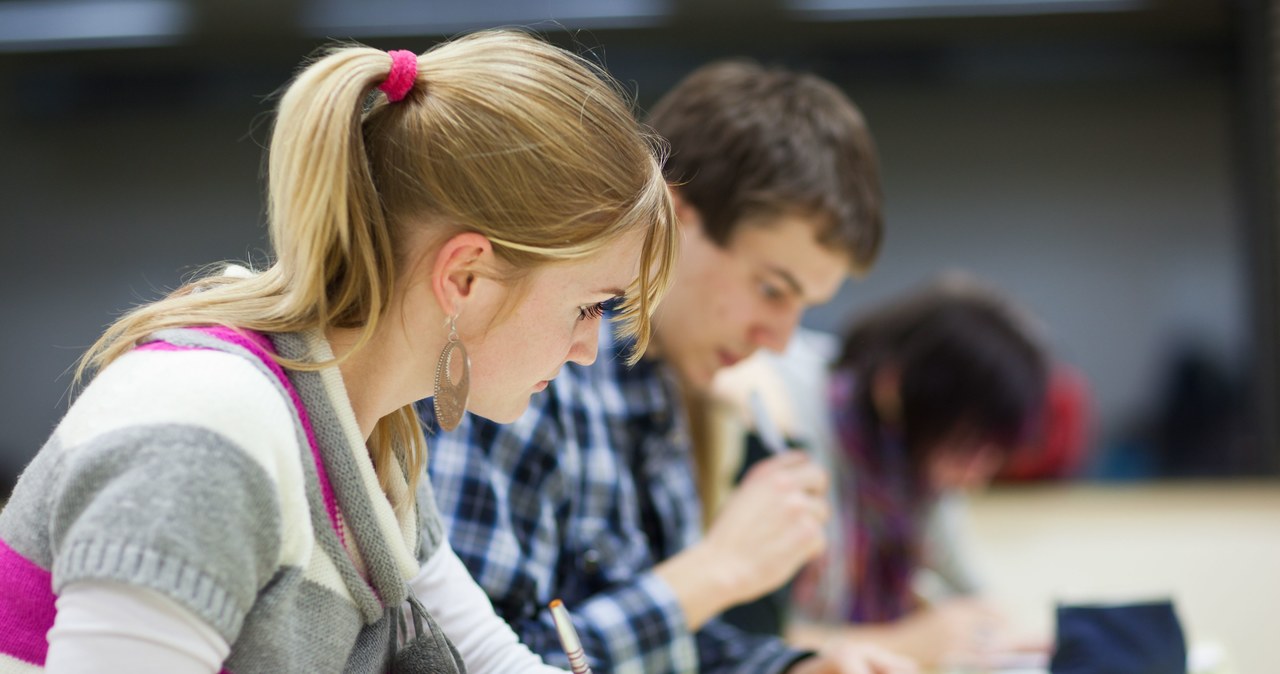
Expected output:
{"points": [[771, 525]]}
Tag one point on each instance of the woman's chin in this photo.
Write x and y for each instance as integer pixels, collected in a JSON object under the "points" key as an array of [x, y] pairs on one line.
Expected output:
{"points": [[502, 414]]}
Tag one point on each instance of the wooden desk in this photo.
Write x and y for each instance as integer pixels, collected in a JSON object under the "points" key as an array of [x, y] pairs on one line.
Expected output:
{"points": [[1213, 547]]}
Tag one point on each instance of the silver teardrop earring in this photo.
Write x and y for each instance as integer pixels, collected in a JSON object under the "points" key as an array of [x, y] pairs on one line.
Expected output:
{"points": [[450, 400]]}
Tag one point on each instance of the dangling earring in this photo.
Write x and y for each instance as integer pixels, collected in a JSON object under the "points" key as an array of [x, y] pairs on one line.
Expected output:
{"points": [[450, 400]]}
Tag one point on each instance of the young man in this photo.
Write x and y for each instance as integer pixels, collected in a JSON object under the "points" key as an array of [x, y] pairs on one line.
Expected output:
{"points": [[590, 497]]}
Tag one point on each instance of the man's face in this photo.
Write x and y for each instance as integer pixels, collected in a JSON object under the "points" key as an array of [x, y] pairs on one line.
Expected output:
{"points": [[729, 301], [962, 463]]}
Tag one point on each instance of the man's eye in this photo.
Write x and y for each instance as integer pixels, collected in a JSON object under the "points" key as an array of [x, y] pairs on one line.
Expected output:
{"points": [[772, 292]]}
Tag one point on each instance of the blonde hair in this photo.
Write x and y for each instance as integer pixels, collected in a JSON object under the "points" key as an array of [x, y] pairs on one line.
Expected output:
{"points": [[502, 134]]}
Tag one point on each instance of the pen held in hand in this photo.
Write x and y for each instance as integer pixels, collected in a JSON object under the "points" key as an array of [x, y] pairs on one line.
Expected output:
{"points": [[769, 434], [569, 638]]}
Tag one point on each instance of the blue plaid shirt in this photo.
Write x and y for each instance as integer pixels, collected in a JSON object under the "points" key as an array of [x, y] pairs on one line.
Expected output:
{"points": [[578, 500]]}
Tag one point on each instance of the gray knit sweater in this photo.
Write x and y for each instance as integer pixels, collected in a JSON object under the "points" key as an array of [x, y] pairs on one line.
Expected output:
{"points": [[186, 468]]}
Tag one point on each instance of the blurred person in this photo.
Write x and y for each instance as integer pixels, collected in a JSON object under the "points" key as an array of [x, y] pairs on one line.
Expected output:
{"points": [[1061, 447], [235, 488], [591, 496], [925, 399]]}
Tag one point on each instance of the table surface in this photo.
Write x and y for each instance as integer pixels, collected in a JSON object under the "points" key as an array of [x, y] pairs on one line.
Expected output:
{"points": [[1214, 547]]}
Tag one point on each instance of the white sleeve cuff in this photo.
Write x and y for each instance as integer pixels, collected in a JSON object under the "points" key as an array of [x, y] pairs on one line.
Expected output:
{"points": [[487, 644], [104, 626]]}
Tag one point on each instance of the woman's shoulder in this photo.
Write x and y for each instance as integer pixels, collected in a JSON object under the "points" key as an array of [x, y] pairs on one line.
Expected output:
{"points": [[223, 393], [187, 455]]}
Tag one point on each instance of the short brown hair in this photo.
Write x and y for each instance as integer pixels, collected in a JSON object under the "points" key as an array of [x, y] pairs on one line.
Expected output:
{"points": [[748, 140]]}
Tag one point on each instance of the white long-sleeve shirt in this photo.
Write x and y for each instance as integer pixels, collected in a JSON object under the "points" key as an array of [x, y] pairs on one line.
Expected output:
{"points": [[111, 627]]}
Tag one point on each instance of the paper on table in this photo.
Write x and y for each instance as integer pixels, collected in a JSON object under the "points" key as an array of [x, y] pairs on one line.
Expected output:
{"points": [[1203, 658]]}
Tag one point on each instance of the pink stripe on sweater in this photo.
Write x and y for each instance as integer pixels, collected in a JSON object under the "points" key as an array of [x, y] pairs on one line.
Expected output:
{"points": [[26, 607], [160, 346], [258, 344]]}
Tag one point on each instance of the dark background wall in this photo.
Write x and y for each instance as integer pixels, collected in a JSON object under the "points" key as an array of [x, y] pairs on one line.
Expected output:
{"points": [[1106, 163]]}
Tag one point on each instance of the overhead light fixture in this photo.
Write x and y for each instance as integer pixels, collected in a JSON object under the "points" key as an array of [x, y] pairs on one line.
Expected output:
{"points": [[834, 10], [44, 25], [374, 18]]}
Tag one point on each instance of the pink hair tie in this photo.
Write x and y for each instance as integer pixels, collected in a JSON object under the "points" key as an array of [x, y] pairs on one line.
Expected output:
{"points": [[404, 72]]}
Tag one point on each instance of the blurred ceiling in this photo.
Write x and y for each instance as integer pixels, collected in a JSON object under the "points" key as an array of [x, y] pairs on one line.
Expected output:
{"points": [[64, 58], [42, 26]]}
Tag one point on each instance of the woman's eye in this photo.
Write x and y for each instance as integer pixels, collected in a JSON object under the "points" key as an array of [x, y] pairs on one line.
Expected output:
{"points": [[591, 311], [599, 309]]}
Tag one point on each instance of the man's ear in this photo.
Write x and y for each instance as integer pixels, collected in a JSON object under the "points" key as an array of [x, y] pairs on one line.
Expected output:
{"points": [[453, 276], [688, 217]]}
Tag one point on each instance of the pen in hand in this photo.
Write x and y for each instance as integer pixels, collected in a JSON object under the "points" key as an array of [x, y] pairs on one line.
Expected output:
{"points": [[768, 432], [569, 638]]}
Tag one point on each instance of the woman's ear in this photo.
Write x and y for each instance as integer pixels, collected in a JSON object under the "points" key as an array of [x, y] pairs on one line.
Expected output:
{"points": [[886, 395], [457, 263]]}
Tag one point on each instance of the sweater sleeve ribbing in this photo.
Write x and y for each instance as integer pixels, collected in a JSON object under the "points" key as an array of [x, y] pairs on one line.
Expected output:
{"points": [[171, 508]]}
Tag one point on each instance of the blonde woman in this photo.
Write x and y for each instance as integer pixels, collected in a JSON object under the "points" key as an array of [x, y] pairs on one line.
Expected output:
{"points": [[234, 490]]}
